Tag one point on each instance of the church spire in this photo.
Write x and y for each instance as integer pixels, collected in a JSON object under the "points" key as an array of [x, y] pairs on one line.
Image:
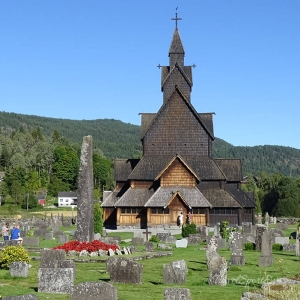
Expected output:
{"points": [[176, 52]]}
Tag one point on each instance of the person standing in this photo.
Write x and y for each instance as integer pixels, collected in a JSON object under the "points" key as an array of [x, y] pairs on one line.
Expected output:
{"points": [[5, 231], [180, 218], [16, 234]]}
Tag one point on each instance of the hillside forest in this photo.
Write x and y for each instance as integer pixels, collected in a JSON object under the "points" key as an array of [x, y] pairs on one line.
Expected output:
{"points": [[43, 154]]}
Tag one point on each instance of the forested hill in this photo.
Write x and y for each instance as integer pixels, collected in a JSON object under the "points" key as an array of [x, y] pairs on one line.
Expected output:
{"points": [[122, 140]]}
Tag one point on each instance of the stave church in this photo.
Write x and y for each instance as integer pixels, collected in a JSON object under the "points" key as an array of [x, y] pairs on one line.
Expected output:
{"points": [[177, 173]]}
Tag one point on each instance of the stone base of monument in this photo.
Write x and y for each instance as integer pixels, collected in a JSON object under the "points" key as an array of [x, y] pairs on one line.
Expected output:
{"points": [[266, 261], [237, 260]]}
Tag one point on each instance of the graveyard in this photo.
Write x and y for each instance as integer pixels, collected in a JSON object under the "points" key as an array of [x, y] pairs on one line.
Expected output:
{"points": [[150, 270]]}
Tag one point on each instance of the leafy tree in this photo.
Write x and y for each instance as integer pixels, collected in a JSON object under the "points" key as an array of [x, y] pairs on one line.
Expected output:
{"points": [[66, 165], [98, 218], [56, 185]]}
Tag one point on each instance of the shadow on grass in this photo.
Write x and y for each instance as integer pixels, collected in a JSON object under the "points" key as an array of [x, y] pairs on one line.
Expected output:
{"points": [[155, 282], [104, 279]]}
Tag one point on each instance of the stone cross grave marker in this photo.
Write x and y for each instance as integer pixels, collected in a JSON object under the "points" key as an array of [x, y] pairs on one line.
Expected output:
{"points": [[147, 232]]}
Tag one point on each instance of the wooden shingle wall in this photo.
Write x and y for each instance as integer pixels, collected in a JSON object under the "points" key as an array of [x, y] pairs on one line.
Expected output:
{"points": [[177, 174]]}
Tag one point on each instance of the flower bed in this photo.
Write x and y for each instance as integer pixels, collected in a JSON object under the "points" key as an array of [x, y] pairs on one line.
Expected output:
{"points": [[88, 246]]}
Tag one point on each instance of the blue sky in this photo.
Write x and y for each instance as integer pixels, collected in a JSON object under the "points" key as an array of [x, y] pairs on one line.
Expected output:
{"points": [[93, 59]]}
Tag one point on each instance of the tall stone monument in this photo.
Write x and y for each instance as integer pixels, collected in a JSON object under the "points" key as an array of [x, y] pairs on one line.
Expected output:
{"points": [[85, 197]]}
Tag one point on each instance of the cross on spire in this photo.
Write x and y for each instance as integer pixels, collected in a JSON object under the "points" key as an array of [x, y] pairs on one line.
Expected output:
{"points": [[176, 18]]}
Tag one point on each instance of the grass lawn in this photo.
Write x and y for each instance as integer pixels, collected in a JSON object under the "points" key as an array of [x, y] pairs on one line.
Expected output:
{"points": [[240, 279]]}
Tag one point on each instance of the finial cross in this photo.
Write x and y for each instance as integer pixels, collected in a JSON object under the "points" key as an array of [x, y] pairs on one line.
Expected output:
{"points": [[176, 18]]}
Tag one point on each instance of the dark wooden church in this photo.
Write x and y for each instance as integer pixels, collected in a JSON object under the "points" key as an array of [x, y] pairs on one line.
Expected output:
{"points": [[177, 172]]}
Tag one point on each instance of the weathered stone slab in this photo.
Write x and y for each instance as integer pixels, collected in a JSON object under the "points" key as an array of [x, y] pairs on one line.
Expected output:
{"points": [[112, 240], [97, 236], [31, 241], [94, 291], [164, 246], [56, 281], [221, 243], [289, 247], [281, 240], [49, 258], [194, 239], [123, 270], [218, 274], [237, 257], [163, 235], [259, 232], [247, 228], [175, 272], [149, 246], [85, 197], [177, 294], [203, 231], [62, 238], [181, 243], [171, 240], [266, 258], [19, 269], [48, 236], [138, 241]]}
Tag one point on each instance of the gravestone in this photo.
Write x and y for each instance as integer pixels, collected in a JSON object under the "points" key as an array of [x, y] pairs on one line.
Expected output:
{"points": [[49, 258], [163, 235], [62, 238], [218, 273], [85, 197], [246, 228], [138, 241], [177, 294], [217, 229], [203, 231], [248, 238], [259, 232], [267, 219], [282, 226], [237, 257], [181, 243], [171, 240], [55, 280], [111, 240], [31, 241], [221, 243], [164, 246], [123, 270], [22, 297], [146, 234], [275, 220], [19, 269], [94, 291], [175, 272], [281, 240], [259, 218], [279, 232], [271, 220], [149, 246], [40, 233], [54, 227], [48, 236], [194, 239], [212, 256], [266, 258]]}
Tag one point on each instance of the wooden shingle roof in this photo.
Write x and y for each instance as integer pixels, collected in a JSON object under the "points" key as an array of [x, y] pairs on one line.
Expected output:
{"points": [[111, 199], [240, 196], [220, 198], [190, 107], [136, 197], [190, 195], [123, 167], [232, 168], [207, 119], [147, 119], [149, 167], [176, 46]]}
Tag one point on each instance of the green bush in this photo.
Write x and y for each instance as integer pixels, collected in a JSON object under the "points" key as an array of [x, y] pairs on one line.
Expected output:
{"points": [[277, 247], [30, 233], [11, 254], [188, 229], [154, 239], [249, 246]]}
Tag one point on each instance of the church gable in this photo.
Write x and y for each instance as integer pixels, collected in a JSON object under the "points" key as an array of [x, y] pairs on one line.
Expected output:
{"points": [[176, 77], [177, 174], [176, 129]]}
